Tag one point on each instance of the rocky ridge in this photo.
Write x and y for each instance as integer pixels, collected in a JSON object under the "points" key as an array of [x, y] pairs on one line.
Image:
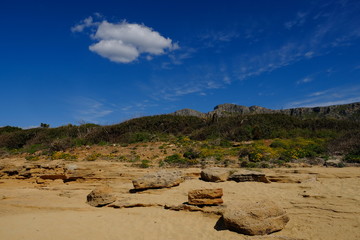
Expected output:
{"points": [[345, 111]]}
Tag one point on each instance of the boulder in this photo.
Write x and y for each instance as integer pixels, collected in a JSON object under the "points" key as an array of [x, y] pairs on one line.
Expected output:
{"points": [[334, 163], [248, 176], [205, 196], [215, 174], [258, 218], [101, 196], [161, 179]]}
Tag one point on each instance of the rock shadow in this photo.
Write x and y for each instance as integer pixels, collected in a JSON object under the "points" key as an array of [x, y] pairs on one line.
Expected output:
{"points": [[220, 225]]}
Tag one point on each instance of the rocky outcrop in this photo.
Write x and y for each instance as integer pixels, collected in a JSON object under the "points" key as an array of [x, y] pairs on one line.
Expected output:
{"points": [[205, 196], [189, 112], [346, 111], [215, 174], [258, 218], [228, 109], [101, 196], [161, 179], [248, 176]]}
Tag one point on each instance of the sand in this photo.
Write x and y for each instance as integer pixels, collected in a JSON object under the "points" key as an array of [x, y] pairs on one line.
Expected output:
{"points": [[322, 203]]}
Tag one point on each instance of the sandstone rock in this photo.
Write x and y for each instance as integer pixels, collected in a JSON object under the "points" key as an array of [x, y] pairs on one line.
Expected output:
{"points": [[258, 218], [205, 196], [215, 174], [334, 163], [101, 196], [218, 210], [161, 179], [248, 176]]}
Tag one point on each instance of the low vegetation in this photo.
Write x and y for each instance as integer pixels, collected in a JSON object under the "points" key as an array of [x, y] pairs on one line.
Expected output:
{"points": [[250, 140]]}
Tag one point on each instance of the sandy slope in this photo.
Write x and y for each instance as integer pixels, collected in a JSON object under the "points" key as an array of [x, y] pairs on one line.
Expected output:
{"points": [[323, 203]]}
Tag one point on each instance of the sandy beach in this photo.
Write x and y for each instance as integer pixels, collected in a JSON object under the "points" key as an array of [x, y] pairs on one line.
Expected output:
{"points": [[322, 203]]}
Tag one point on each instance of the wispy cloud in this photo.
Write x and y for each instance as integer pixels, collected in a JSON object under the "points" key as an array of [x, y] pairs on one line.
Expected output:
{"points": [[172, 93], [269, 61], [90, 110], [298, 21], [328, 97], [337, 26], [305, 80], [212, 38]]}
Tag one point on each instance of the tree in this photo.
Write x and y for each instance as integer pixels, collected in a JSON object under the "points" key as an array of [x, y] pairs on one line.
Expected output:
{"points": [[44, 125]]}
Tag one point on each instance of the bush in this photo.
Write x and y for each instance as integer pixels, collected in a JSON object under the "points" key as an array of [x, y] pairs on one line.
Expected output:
{"points": [[353, 156], [174, 159], [191, 154], [93, 157], [62, 155], [145, 164]]}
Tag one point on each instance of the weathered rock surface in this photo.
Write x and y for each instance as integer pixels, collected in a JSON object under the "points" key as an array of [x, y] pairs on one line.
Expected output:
{"points": [[248, 176], [334, 163], [161, 179], [101, 196], [215, 174], [217, 210], [345, 111], [205, 196], [188, 112], [258, 218]]}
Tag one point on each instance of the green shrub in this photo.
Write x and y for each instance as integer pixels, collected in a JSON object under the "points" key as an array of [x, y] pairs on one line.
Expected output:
{"points": [[145, 164], [353, 156], [175, 158], [191, 154]]}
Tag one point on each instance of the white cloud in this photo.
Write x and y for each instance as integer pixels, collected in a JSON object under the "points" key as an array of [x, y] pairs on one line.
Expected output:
{"points": [[115, 50], [124, 42], [87, 22]]}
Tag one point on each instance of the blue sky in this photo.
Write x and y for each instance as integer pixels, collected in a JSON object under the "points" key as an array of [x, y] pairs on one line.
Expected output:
{"points": [[104, 62]]}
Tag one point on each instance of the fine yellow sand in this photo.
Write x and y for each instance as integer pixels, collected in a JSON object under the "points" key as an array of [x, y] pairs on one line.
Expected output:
{"points": [[322, 203]]}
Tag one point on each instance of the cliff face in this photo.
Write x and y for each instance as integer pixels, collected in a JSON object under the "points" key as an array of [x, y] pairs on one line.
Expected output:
{"points": [[189, 112], [347, 111]]}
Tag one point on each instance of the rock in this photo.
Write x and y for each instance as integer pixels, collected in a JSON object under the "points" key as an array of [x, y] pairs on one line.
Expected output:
{"points": [[205, 196], [258, 218], [217, 210], [161, 179], [53, 176], [101, 196], [346, 111], [215, 174], [334, 163], [40, 181], [248, 176], [188, 112]]}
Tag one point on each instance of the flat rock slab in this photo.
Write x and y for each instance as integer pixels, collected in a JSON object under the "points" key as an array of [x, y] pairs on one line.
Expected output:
{"points": [[215, 174], [161, 179], [217, 210], [101, 196], [258, 218], [248, 176], [205, 196]]}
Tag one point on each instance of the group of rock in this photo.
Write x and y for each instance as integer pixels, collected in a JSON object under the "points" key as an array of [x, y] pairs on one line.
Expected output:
{"points": [[258, 218]]}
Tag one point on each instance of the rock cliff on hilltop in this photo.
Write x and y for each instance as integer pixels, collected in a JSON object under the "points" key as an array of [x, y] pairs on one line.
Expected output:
{"points": [[188, 112], [345, 111]]}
